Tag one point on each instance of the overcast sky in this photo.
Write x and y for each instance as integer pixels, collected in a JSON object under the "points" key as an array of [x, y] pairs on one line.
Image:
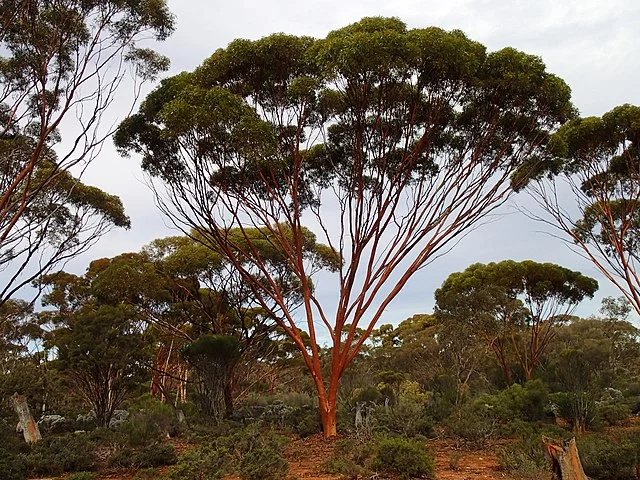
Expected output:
{"points": [[593, 45]]}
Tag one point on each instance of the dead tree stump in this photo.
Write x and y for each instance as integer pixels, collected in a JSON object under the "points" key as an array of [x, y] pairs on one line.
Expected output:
{"points": [[565, 461], [26, 424]]}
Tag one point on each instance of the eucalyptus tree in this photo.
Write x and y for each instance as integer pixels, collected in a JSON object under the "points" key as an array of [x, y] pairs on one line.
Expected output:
{"points": [[62, 66], [388, 143], [515, 307], [597, 159]]}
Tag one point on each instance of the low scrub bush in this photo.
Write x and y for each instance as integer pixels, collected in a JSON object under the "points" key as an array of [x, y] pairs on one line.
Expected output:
{"points": [[525, 459], [249, 452], [263, 463], [473, 425], [56, 455], [81, 476], [404, 458], [153, 455], [609, 458], [206, 462], [349, 459]]}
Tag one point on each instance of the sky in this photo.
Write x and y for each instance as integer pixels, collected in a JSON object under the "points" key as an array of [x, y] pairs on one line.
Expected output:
{"points": [[593, 45]]}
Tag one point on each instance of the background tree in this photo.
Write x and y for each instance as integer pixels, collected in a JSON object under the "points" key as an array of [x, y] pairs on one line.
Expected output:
{"points": [[598, 159], [514, 303], [390, 142], [101, 347], [62, 65]]}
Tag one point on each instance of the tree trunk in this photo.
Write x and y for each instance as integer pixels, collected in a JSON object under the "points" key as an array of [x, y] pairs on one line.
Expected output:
{"points": [[329, 420], [565, 461], [228, 398], [27, 424]]}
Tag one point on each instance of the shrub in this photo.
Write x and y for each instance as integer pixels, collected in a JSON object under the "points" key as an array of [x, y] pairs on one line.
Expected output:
{"points": [[150, 410], [206, 462], [406, 418], [525, 458], [81, 476], [526, 402], [350, 458], [606, 458], [12, 466], [263, 463], [612, 413], [473, 425], [13, 450], [403, 457], [154, 455], [56, 455]]}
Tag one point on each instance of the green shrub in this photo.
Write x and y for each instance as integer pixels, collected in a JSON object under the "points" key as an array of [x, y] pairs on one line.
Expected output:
{"points": [[139, 430], [56, 455], [473, 425], [305, 421], [13, 451], [350, 458], [526, 402], [263, 463], [13, 466], [403, 457], [150, 410], [153, 455], [607, 458], [205, 462], [345, 467], [81, 476], [525, 458], [406, 418], [612, 413]]}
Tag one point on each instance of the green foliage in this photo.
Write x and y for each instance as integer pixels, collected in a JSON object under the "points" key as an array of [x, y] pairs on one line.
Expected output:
{"points": [[404, 458], [528, 402], [350, 458], [13, 451], [609, 458], [150, 455], [406, 418], [204, 462], [81, 476], [149, 420], [473, 425], [525, 458], [249, 452], [263, 463], [56, 455], [106, 370]]}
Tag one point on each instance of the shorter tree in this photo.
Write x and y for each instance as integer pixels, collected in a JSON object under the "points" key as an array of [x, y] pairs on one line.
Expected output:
{"points": [[104, 352], [513, 306]]}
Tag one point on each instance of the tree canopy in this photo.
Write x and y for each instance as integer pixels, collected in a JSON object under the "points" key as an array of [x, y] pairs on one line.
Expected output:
{"points": [[514, 306], [63, 63], [598, 158], [391, 142]]}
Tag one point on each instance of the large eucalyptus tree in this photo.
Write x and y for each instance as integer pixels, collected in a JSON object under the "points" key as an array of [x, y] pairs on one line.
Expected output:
{"points": [[388, 143]]}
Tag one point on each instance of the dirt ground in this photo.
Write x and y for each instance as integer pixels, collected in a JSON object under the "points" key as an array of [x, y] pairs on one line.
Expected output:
{"points": [[306, 457]]}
